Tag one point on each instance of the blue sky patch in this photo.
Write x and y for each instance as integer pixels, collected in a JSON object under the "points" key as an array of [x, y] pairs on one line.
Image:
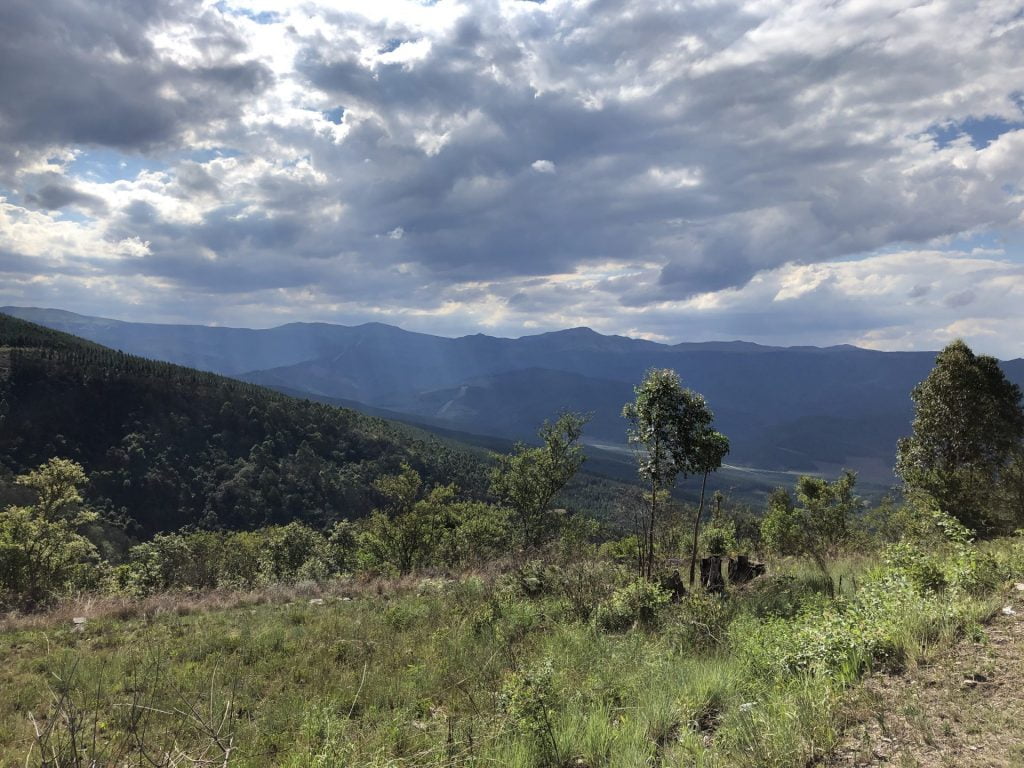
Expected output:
{"points": [[335, 115], [108, 165], [263, 17], [981, 131]]}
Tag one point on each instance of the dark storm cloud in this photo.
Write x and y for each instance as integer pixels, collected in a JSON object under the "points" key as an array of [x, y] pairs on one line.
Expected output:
{"points": [[56, 196], [89, 74]]}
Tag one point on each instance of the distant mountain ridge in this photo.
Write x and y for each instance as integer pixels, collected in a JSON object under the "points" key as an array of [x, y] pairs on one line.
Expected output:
{"points": [[788, 409]]}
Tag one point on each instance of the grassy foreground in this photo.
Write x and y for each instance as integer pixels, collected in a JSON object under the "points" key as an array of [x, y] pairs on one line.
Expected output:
{"points": [[548, 666]]}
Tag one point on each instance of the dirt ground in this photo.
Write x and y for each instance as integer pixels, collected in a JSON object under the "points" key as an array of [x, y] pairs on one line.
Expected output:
{"points": [[963, 709]]}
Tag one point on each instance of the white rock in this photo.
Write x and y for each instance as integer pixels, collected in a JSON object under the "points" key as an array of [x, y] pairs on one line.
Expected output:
{"points": [[317, 601], [1008, 611], [1019, 587]]}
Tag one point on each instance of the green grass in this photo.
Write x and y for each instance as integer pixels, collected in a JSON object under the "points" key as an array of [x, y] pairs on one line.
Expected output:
{"points": [[425, 678]]}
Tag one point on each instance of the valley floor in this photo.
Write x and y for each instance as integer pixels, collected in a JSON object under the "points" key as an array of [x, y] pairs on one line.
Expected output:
{"points": [[963, 708]]}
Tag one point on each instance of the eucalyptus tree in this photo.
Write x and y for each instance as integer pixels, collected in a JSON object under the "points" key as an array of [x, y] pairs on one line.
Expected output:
{"points": [[712, 448], [968, 425], [671, 428]]}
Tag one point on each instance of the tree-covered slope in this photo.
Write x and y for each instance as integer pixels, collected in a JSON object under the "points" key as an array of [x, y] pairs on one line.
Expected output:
{"points": [[171, 446]]}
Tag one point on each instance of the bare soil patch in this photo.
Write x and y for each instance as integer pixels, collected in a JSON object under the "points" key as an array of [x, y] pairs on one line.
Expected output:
{"points": [[964, 708]]}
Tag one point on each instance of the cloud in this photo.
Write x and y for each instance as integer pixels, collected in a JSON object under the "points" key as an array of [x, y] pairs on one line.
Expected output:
{"points": [[471, 163], [53, 196], [118, 73]]}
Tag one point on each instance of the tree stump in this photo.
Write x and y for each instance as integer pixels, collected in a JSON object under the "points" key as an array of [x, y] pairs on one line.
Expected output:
{"points": [[674, 586], [741, 570], [711, 573]]}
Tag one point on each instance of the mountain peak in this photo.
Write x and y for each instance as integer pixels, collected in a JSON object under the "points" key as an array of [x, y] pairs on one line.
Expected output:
{"points": [[580, 331]]}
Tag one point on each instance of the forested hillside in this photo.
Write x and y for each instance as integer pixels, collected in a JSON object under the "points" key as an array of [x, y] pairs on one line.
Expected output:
{"points": [[169, 446]]}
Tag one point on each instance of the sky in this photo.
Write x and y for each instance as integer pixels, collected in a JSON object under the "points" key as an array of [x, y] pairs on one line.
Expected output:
{"points": [[780, 171]]}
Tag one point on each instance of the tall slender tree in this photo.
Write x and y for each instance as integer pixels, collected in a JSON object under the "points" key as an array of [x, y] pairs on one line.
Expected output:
{"points": [[668, 425], [712, 448]]}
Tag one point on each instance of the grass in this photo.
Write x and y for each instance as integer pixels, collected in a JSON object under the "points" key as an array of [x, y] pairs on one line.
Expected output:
{"points": [[466, 672]]}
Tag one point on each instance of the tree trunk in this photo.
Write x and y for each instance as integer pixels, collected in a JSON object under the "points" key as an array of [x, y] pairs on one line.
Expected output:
{"points": [[696, 529], [649, 564]]}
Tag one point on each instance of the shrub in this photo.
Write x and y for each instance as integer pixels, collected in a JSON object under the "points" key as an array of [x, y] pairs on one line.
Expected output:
{"points": [[42, 550], [623, 551], [532, 579], [719, 537], [529, 699], [886, 620], [785, 596], [702, 621], [585, 584], [923, 570], [639, 603]]}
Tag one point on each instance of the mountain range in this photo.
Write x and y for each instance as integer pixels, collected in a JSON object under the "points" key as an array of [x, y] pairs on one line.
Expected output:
{"points": [[785, 409]]}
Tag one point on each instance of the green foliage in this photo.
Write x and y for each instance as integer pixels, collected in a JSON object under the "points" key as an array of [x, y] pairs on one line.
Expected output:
{"points": [[842, 638], [672, 426], [941, 553], [719, 536], [701, 624], [967, 431], [341, 547], [57, 486], [529, 479], [43, 553], [529, 699], [400, 535], [922, 569], [416, 530], [246, 559], [639, 603], [819, 526], [621, 551], [712, 448], [667, 420], [787, 595]]}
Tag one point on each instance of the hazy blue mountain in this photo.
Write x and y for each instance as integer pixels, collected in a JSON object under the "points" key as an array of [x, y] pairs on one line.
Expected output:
{"points": [[797, 408]]}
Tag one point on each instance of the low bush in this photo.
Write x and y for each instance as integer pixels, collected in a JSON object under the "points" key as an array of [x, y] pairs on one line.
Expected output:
{"points": [[640, 603]]}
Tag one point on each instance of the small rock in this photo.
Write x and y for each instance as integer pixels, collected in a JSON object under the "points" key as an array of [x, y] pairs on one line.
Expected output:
{"points": [[316, 601], [346, 599], [79, 624], [1019, 586], [1008, 611], [746, 707]]}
